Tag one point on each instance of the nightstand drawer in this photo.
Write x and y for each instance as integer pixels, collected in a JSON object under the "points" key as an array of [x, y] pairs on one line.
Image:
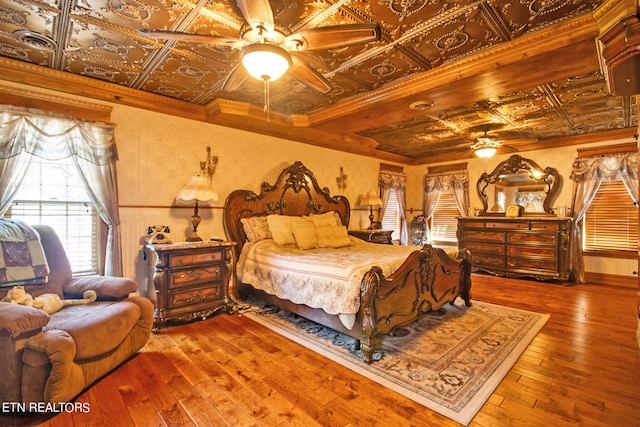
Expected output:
{"points": [[194, 277], [178, 260], [190, 296]]}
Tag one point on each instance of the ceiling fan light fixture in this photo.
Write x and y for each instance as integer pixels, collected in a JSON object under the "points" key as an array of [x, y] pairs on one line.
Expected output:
{"points": [[265, 61], [485, 152]]}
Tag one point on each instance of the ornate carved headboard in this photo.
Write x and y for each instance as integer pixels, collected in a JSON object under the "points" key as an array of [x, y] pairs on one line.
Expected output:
{"points": [[296, 192]]}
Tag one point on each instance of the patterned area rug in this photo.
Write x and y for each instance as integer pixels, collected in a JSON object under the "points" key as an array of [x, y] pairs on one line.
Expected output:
{"points": [[450, 360]]}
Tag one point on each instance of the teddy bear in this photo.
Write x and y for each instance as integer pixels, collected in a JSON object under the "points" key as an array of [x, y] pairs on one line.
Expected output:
{"points": [[49, 303]]}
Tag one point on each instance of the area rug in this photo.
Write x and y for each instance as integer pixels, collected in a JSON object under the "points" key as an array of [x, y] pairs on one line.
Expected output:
{"points": [[449, 360]]}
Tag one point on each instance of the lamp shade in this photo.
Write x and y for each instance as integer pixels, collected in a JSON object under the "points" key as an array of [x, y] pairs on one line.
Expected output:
{"points": [[265, 61], [197, 189], [371, 199]]}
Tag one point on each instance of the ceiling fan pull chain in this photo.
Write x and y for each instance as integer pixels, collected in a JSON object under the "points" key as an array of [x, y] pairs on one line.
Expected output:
{"points": [[266, 100]]}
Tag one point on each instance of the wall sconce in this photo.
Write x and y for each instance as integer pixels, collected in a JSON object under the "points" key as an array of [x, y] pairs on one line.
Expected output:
{"points": [[208, 167], [342, 181]]}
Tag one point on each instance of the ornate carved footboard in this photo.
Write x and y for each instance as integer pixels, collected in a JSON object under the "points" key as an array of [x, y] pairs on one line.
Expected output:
{"points": [[426, 281]]}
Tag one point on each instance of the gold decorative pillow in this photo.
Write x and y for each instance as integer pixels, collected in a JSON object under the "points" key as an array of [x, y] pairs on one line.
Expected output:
{"points": [[304, 234], [281, 228], [327, 218], [333, 236]]}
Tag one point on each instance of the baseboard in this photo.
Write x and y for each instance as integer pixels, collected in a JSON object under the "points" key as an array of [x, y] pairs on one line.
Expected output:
{"points": [[612, 280]]}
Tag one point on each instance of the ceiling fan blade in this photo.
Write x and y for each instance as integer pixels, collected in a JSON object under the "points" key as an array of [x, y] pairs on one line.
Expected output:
{"points": [[190, 37], [308, 76], [332, 36], [236, 77], [257, 13]]}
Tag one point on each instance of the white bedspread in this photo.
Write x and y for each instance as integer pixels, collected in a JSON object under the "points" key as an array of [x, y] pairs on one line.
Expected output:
{"points": [[320, 278]]}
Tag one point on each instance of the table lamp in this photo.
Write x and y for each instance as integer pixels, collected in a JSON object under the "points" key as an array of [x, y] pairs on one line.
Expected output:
{"points": [[371, 199], [196, 190]]}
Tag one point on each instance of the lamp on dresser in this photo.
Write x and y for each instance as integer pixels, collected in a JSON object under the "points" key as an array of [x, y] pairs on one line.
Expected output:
{"points": [[372, 200], [196, 190]]}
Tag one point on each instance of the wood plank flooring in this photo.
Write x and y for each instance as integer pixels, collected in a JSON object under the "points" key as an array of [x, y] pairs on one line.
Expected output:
{"points": [[582, 369]]}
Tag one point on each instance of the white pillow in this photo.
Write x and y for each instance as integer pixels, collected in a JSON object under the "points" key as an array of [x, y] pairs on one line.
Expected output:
{"points": [[332, 236]]}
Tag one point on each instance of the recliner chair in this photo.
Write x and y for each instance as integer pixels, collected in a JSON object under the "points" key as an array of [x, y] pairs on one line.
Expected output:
{"points": [[52, 358]]}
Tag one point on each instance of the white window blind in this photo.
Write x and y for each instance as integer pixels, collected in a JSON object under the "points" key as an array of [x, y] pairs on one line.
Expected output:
{"points": [[391, 218], [444, 222], [52, 194], [611, 221]]}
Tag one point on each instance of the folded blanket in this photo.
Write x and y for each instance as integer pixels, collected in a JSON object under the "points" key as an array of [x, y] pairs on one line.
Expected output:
{"points": [[22, 259]]}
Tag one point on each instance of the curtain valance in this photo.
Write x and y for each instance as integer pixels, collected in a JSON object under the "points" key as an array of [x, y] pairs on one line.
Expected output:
{"points": [[446, 181], [35, 132], [391, 180]]}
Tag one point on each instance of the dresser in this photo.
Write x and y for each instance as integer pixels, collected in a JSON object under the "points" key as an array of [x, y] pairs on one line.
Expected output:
{"points": [[531, 247], [191, 280], [373, 236]]}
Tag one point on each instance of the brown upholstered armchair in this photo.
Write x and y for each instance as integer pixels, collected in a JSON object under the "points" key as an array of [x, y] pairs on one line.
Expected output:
{"points": [[52, 358]]}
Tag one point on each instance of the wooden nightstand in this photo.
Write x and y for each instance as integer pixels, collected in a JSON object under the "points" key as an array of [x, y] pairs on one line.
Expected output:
{"points": [[373, 236], [192, 280]]}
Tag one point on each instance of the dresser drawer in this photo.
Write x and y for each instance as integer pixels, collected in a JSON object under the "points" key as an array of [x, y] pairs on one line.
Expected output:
{"points": [[508, 225], [479, 260], [194, 276], [484, 236], [181, 298], [533, 238], [179, 260], [540, 251], [475, 247], [548, 226], [533, 264]]}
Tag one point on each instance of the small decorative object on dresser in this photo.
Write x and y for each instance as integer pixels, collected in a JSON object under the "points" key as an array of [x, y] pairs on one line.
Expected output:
{"points": [[373, 236], [192, 280]]}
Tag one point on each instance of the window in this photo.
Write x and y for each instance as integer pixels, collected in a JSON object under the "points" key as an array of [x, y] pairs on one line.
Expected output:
{"points": [[444, 222], [611, 221], [52, 193], [391, 218]]}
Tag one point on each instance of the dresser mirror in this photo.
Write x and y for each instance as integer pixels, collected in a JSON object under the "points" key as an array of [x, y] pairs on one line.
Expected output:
{"points": [[519, 181]]}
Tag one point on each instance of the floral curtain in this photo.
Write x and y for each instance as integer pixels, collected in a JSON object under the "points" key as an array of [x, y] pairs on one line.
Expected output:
{"points": [[587, 174], [397, 181], [25, 133], [435, 184]]}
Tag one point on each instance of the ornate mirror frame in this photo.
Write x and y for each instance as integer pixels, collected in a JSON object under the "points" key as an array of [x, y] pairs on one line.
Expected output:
{"points": [[548, 177]]}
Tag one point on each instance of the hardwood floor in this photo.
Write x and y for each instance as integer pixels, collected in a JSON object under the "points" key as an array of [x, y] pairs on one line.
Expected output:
{"points": [[583, 369]]}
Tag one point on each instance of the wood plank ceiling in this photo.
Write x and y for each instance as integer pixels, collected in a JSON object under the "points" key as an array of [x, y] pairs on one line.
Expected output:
{"points": [[443, 72]]}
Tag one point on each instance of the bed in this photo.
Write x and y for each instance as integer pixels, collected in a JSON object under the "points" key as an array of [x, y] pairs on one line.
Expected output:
{"points": [[293, 251]]}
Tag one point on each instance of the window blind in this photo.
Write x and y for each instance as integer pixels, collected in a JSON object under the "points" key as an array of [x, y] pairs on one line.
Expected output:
{"points": [[391, 219], [52, 194], [611, 221], [444, 222]]}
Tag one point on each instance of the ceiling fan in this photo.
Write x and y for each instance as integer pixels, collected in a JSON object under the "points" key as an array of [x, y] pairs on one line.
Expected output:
{"points": [[486, 145], [267, 52]]}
